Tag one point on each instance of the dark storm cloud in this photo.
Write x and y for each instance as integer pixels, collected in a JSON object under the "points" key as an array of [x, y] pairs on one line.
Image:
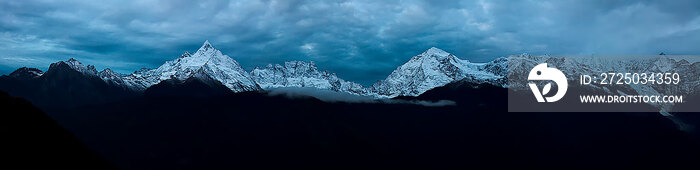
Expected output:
{"points": [[361, 40]]}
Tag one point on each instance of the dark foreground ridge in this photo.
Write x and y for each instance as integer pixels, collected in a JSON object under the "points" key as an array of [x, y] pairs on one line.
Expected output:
{"points": [[255, 130], [32, 140]]}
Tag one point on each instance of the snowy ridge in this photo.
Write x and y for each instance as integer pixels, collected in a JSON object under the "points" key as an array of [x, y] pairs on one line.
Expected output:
{"points": [[110, 76], [303, 74], [116, 79], [430, 69]]}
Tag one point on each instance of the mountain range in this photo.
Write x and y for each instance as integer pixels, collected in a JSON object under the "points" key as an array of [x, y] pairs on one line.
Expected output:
{"points": [[433, 68], [208, 67]]}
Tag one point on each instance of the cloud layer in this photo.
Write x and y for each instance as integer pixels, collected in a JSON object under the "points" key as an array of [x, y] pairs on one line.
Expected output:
{"points": [[340, 97], [361, 40]]}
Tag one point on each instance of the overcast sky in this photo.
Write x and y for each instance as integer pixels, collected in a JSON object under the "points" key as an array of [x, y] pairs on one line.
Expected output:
{"points": [[362, 41]]}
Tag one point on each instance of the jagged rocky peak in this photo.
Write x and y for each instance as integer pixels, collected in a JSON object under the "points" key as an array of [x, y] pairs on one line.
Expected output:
{"points": [[498, 66], [73, 62], [108, 73], [207, 50], [303, 74], [301, 66], [292, 67], [112, 78], [205, 53], [77, 66], [298, 63], [26, 72], [186, 54], [206, 46]]}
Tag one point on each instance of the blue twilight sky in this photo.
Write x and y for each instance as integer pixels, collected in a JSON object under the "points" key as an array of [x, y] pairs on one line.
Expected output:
{"points": [[361, 40]]}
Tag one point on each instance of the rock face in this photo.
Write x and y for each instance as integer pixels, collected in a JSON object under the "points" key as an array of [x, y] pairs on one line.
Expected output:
{"points": [[303, 74], [435, 68], [207, 59]]}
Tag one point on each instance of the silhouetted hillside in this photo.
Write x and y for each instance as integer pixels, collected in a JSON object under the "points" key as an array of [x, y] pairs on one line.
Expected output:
{"points": [[32, 140], [62, 86], [466, 93], [254, 130]]}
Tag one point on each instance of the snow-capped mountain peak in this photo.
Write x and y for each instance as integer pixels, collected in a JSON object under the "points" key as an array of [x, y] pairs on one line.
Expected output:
{"points": [[206, 46], [301, 66], [430, 69], [199, 58], [206, 50], [436, 52], [73, 63], [207, 59]]}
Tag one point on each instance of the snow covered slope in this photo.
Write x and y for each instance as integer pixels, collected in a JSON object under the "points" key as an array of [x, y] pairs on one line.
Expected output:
{"points": [[303, 74], [212, 62], [433, 68]]}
